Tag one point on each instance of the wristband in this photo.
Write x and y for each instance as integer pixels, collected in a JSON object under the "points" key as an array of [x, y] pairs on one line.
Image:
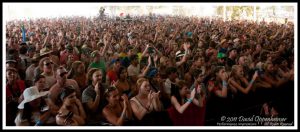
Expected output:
{"points": [[224, 83], [252, 81], [39, 123], [190, 100]]}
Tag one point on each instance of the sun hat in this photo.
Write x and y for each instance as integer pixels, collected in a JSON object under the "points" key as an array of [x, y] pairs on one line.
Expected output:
{"points": [[179, 54], [31, 94], [45, 51]]}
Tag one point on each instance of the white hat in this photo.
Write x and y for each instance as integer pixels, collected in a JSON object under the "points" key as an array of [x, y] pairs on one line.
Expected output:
{"points": [[236, 40], [31, 94], [179, 54]]}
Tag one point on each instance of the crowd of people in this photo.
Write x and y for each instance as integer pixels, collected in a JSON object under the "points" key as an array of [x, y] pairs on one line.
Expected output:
{"points": [[150, 71]]}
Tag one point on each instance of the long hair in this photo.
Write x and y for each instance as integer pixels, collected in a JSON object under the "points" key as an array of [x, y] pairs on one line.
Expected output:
{"points": [[214, 76], [139, 82], [234, 70], [68, 90], [73, 71], [41, 63], [175, 91], [90, 74], [120, 71]]}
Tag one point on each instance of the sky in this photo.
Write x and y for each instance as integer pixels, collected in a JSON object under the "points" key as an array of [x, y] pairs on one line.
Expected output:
{"points": [[23, 11], [36, 10]]}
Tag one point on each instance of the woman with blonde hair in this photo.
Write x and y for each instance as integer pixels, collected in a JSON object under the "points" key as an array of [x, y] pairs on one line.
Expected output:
{"points": [[240, 87], [146, 106], [238, 81]]}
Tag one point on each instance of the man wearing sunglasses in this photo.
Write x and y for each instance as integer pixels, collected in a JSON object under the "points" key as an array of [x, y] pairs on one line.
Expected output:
{"points": [[47, 71]]}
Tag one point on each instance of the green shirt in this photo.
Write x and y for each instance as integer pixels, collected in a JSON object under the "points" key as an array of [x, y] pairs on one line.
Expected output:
{"points": [[100, 65]]}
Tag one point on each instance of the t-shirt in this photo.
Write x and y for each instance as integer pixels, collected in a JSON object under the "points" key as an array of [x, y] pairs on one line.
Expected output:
{"points": [[90, 94], [230, 62], [100, 65], [30, 72], [13, 93], [64, 57], [133, 71], [112, 75]]}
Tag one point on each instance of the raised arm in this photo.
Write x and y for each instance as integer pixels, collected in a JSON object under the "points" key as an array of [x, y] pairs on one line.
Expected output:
{"points": [[240, 88], [93, 105], [182, 108]]}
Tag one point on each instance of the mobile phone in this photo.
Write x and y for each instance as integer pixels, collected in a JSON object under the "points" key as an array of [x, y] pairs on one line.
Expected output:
{"points": [[45, 108]]}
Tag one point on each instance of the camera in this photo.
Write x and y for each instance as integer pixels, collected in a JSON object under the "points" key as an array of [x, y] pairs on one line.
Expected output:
{"points": [[259, 71], [150, 50]]}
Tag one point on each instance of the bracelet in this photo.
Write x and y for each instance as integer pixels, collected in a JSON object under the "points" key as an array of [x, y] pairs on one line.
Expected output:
{"points": [[252, 81], [224, 83], [190, 100], [39, 123]]}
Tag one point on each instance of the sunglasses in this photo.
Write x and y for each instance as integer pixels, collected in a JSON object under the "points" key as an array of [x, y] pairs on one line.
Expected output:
{"points": [[109, 89], [62, 74]]}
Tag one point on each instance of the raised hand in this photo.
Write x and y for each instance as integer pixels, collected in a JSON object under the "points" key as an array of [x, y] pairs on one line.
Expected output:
{"points": [[198, 89], [156, 95], [156, 58], [97, 88], [124, 97], [224, 76], [78, 102], [149, 60], [193, 92], [255, 75], [124, 104], [150, 96]]}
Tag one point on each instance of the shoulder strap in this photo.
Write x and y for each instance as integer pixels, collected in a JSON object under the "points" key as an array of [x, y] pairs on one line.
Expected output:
{"points": [[139, 102]]}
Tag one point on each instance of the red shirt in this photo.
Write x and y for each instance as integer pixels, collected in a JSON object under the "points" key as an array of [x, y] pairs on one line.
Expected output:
{"points": [[112, 75], [192, 116], [64, 57], [17, 89]]}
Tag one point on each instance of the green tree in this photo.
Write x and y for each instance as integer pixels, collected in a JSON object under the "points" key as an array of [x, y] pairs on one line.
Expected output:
{"points": [[219, 10]]}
